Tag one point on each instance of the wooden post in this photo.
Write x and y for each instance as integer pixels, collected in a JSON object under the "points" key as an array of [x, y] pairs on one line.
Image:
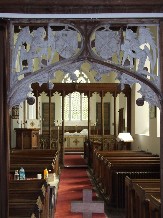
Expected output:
{"points": [[102, 118], [89, 124], [115, 119], [161, 111], [49, 118], [115, 108], [37, 117], [24, 113], [4, 121], [63, 131], [129, 111]]}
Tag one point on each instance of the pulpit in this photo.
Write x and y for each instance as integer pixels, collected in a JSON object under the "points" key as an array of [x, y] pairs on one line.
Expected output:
{"points": [[27, 138]]}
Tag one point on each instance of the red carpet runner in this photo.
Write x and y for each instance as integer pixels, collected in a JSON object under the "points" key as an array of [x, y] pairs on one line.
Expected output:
{"points": [[74, 160], [72, 182]]}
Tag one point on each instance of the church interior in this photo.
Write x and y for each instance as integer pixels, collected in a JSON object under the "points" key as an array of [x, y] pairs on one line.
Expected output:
{"points": [[81, 109]]}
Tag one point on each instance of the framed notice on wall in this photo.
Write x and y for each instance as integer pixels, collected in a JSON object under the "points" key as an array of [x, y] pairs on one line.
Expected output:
{"points": [[15, 112]]}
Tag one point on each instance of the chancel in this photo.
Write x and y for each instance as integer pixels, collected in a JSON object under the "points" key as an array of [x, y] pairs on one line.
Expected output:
{"points": [[81, 94]]}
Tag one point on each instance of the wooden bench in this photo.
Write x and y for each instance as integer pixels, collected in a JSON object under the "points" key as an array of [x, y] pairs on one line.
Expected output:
{"points": [[141, 200], [100, 155], [89, 147], [154, 205], [105, 161], [127, 166], [19, 204], [27, 197], [34, 161], [103, 158], [138, 193], [112, 167], [23, 210], [118, 192]]}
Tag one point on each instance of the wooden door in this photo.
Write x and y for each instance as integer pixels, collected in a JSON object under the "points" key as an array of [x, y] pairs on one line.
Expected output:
{"points": [[106, 117], [45, 115]]}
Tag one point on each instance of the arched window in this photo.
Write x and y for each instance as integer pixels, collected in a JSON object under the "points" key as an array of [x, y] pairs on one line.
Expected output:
{"points": [[76, 104]]}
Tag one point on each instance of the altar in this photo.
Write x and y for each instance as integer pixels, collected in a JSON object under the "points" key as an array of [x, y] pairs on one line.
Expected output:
{"points": [[75, 140]]}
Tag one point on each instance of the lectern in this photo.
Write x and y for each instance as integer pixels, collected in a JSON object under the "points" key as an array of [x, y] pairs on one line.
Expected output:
{"points": [[27, 138]]}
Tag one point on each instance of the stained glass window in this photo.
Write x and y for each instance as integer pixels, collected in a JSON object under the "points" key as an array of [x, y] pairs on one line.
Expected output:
{"points": [[76, 104]]}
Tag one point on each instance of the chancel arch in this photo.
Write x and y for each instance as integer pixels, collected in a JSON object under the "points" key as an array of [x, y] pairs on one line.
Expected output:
{"points": [[42, 53]]}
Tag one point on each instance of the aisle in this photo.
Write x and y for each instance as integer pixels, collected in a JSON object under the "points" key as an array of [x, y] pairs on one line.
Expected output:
{"points": [[74, 160], [72, 183]]}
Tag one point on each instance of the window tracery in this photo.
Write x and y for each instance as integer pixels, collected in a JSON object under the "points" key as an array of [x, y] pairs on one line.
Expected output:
{"points": [[76, 104]]}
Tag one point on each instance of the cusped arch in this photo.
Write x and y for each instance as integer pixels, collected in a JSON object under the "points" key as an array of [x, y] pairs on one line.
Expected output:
{"points": [[20, 92]]}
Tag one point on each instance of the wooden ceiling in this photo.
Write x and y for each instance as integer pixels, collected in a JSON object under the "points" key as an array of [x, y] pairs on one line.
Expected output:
{"points": [[83, 6]]}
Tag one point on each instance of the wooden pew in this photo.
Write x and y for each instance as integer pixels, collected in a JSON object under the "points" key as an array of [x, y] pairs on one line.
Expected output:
{"points": [[38, 151], [105, 161], [126, 166], [96, 145], [154, 205], [102, 159], [138, 193], [100, 155], [27, 197], [34, 161], [23, 210], [23, 197], [118, 192], [110, 169], [141, 200]]}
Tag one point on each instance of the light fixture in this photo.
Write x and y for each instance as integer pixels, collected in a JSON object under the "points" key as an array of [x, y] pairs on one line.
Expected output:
{"points": [[30, 100], [124, 137], [140, 101]]}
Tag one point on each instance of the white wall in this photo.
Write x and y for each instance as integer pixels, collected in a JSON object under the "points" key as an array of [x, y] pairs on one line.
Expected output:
{"points": [[149, 142]]}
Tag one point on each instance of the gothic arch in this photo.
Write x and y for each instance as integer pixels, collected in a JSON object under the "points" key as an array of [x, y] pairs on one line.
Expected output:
{"points": [[23, 86]]}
